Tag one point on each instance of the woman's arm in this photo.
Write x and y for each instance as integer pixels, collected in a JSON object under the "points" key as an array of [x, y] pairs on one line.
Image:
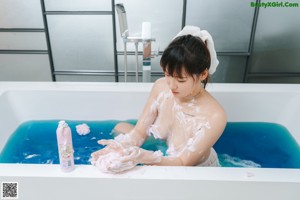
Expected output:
{"points": [[137, 135]]}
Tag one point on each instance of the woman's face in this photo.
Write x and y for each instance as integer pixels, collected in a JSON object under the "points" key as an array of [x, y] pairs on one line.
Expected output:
{"points": [[183, 88]]}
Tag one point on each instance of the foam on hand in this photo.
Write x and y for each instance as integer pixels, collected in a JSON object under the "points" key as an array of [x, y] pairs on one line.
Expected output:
{"points": [[119, 158], [146, 30]]}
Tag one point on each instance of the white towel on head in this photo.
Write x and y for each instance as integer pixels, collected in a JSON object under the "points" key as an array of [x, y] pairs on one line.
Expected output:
{"points": [[205, 37]]}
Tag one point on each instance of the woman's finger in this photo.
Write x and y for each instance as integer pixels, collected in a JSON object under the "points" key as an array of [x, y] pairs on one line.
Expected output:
{"points": [[104, 142], [100, 152]]}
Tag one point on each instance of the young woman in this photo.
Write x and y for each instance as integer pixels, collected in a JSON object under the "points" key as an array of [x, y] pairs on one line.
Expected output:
{"points": [[179, 110]]}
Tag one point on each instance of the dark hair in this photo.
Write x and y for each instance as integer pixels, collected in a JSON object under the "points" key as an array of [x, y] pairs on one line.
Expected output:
{"points": [[188, 52]]}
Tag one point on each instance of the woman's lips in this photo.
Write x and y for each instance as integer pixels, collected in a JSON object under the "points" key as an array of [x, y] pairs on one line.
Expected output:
{"points": [[174, 92]]}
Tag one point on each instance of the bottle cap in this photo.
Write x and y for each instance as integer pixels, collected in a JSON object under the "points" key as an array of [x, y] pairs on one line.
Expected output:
{"points": [[62, 124]]}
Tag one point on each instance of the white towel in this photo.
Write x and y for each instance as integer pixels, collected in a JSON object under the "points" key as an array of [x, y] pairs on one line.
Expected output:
{"points": [[205, 37]]}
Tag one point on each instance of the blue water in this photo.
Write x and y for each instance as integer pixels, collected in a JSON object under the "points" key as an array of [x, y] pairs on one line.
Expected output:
{"points": [[243, 144]]}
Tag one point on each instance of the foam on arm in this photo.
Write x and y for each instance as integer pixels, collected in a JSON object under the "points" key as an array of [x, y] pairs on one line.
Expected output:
{"points": [[137, 136]]}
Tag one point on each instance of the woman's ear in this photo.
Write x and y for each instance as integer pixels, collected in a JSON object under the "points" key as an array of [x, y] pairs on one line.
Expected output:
{"points": [[204, 75]]}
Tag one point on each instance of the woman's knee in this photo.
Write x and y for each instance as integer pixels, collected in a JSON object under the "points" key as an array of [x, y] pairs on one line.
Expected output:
{"points": [[123, 127]]}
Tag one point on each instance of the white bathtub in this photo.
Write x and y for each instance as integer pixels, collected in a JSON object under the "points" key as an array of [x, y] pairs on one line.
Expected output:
{"points": [[21, 102]]}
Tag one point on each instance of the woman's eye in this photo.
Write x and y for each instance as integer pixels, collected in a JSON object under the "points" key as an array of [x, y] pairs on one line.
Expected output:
{"points": [[181, 81]]}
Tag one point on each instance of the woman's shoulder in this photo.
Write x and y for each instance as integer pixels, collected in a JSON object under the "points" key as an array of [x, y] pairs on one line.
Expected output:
{"points": [[216, 110], [160, 82], [160, 85]]}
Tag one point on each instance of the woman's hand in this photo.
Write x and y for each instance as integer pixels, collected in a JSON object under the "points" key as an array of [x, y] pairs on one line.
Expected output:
{"points": [[116, 157], [111, 146]]}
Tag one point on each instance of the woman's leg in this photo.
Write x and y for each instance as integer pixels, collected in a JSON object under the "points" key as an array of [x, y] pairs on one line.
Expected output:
{"points": [[212, 160], [123, 127]]}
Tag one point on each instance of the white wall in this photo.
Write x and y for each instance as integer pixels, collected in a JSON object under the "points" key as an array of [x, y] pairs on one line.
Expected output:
{"points": [[83, 45]]}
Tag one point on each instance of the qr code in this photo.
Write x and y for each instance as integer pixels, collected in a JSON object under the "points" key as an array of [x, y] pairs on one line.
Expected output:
{"points": [[9, 190]]}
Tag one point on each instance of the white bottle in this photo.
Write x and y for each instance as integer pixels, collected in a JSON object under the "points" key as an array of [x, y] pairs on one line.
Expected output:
{"points": [[65, 147]]}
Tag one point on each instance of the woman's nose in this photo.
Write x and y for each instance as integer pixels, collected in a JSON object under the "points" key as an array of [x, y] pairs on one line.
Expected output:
{"points": [[172, 83]]}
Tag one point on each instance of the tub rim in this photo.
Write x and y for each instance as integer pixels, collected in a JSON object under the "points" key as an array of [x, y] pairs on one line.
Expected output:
{"points": [[150, 172]]}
